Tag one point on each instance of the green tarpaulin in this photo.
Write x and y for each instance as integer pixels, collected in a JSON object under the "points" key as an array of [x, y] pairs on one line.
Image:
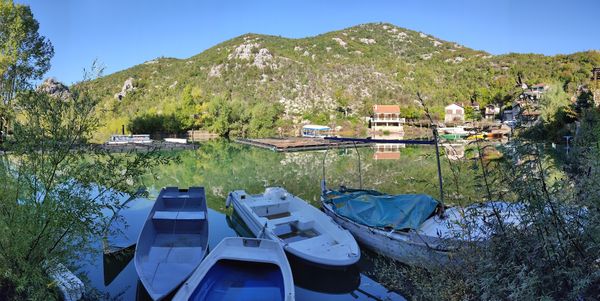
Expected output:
{"points": [[372, 208]]}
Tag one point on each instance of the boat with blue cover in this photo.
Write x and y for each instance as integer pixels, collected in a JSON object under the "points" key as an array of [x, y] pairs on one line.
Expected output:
{"points": [[249, 269], [173, 241], [412, 228], [415, 229], [302, 229]]}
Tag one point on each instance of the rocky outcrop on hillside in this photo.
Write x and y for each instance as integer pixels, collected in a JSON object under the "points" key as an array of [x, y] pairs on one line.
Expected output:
{"points": [[55, 89], [127, 87]]}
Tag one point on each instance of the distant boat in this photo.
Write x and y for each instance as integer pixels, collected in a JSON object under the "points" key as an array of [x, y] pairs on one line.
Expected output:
{"points": [[407, 227], [315, 131], [454, 130], [173, 241], [478, 136], [248, 269], [125, 139], [299, 227], [453, 133]]}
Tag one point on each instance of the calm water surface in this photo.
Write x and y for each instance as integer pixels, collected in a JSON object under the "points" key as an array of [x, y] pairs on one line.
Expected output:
{"points": [[222, 167]]}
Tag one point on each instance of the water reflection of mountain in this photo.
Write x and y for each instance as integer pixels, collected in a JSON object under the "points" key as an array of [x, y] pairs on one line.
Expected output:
{"points": [[221, 166]]}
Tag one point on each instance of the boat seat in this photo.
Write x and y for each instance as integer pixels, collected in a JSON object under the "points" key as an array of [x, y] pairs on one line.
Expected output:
{"points": [[275, 206], [179, 215], [282, 221], [305, 224], [191, 215], [165, 215], [175, 197], [251, 291]]}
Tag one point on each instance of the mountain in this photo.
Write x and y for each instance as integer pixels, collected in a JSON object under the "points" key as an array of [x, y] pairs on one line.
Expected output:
{"points": [[334, 76]]}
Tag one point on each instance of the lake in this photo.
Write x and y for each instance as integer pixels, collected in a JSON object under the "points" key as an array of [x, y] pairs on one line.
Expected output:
{"points": [[222, 166]]}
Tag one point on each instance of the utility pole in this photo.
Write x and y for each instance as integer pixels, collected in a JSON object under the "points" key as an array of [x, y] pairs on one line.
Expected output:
{"points": [[439, 166], [596, 81], [437, 150]]}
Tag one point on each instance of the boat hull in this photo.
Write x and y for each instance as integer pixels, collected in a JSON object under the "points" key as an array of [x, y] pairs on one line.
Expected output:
{"points": [[173, 241], [407, 248]]}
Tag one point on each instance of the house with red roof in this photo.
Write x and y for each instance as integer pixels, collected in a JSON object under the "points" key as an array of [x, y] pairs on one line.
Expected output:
{"points": [[387, 118], [386, 124]]}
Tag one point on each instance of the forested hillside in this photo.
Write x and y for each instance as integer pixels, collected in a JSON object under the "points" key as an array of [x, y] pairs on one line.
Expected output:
{"points": [[254, 84]]}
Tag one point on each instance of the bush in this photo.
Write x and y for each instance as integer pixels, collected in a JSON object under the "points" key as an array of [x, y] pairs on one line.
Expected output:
{"points": [[155, 123], [54, 190], [553, 254]]}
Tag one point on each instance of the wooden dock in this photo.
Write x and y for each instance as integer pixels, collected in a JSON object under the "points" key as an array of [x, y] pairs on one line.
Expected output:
{"points": [[144, 147], [296, 144]]}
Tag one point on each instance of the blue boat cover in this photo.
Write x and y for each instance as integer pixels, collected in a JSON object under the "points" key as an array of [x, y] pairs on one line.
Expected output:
{"points": [[375, 209]]}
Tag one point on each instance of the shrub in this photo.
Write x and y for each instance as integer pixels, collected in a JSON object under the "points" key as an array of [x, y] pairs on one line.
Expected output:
{"points": [[552, 254]]}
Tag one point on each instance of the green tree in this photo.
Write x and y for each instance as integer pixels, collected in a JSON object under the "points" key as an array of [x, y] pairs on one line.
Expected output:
{"points": [[220, 116], [553, 101], [471, 114], [54, 190], [411, 112], [263, 119], [585, 100], [24, 54], [342, 99], [151, 123]]}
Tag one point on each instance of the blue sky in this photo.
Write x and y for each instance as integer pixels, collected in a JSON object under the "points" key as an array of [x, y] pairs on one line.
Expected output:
{"points": [[123, 33]]}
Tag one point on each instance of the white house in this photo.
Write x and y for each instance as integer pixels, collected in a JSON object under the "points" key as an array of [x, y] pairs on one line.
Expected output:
{"points": [[454, 114]]}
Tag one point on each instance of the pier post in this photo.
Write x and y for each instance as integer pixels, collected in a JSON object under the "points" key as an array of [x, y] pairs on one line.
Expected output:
{"points": [[439, 166]]}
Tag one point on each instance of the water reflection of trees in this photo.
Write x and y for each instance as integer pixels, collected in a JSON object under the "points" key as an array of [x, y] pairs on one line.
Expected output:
{"points": [[222, 166]]}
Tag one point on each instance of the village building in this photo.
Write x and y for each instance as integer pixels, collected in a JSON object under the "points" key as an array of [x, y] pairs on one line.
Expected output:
{"points": [[526, 109], [491, 111], [386, 118], [454, 114], [536, 91], [524, 112], [508, 116]]}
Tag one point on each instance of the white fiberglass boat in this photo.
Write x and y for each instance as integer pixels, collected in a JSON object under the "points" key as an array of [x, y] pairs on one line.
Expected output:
{"points": [[299, 227]]}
